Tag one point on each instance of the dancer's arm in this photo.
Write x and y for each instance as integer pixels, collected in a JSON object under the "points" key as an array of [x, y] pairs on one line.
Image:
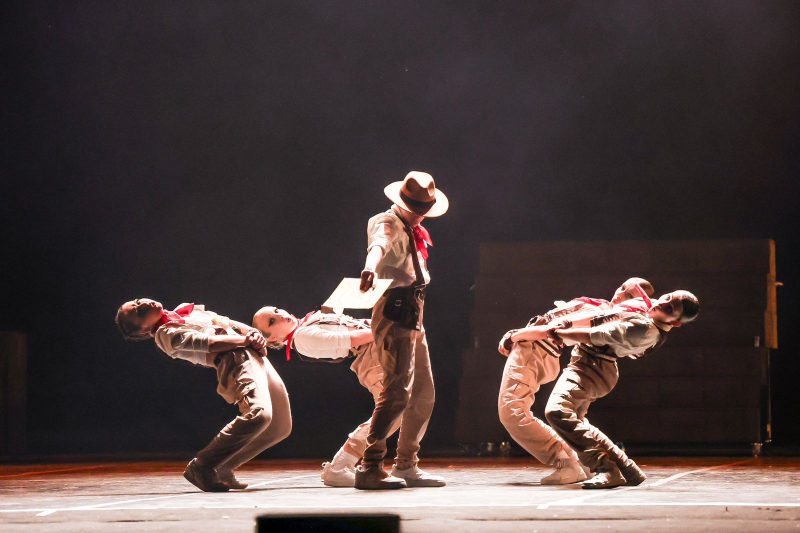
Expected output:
{"points": [[360, 336], [571, 336], [244, 329], [184, 342], [531, 333], [374, 257], [630, 335], [577, 322], [381, 237], [505, 344], [224, 343]]}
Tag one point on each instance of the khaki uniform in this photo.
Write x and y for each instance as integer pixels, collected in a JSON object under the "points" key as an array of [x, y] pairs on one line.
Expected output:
{"points": [[327, 336], [245, 378], [591, 374], [529, 365], [408, 393]]}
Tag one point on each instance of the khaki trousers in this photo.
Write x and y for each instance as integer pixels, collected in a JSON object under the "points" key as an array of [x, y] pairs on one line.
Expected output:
{"points": [[586, 379], [369, 372], [251, 382], [408, 393], [527, 368]]}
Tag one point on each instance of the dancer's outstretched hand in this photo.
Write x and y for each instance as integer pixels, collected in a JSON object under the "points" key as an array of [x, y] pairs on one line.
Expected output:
{"points": [[367, 280]]}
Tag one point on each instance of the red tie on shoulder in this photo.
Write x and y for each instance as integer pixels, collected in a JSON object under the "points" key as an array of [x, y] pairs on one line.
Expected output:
{"points": [[644, 296], [633, 308], [174, 316], [592, 301], [290, 336], [422, 239]]}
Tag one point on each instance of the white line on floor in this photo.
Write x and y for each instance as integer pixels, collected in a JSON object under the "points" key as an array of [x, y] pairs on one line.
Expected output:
{"points": [[681, 474], [581, 499], [271, 481], [410, 505], [101, 506]]}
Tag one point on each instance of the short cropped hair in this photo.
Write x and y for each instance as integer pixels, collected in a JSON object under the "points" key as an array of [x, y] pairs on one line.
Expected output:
{"points": [[691, 306], [129, 333], [272, 345]]}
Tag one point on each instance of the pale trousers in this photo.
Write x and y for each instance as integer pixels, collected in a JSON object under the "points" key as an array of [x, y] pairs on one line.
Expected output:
{"points": [[251, 382], [408, 393], [369, 372], [527, 368], [586, 379]]}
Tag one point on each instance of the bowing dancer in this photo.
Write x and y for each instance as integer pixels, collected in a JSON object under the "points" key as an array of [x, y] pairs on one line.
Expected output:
{"points": [[245, 378], [532, 363], [330, 337], [624, 331]]}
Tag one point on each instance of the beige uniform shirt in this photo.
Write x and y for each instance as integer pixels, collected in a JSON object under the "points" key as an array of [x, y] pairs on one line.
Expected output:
{"points": [[631, 335], [323, 340], [386, 230], [189, 341], [327, 336]]}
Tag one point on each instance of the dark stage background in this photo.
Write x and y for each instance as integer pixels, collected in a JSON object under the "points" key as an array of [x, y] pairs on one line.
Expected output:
{"points": [[231, 154]]}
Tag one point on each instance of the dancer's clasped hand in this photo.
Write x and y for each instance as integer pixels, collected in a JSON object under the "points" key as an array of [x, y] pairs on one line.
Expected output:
{"points": [[505, 345], [256, 341]]}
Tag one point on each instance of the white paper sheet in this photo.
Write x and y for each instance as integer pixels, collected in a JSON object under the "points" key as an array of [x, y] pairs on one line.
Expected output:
{"points": [[348, 295]]}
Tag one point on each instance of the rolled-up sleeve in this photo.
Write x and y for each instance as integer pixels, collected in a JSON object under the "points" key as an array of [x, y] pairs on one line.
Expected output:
{"points": [[381, 232], [627, 336], [182, 342], [323, 343]]}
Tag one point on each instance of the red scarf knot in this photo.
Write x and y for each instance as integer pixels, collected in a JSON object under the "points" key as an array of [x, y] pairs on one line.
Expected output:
{"points": [[592, 301], [174, 316], [422, 239], [290, 336]]}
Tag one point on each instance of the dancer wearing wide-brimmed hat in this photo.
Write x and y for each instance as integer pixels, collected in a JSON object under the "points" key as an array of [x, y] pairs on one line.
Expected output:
{"points": [[397, 249]]}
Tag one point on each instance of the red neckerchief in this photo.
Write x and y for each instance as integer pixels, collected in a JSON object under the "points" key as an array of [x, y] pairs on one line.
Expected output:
{"points": [[644, 296], [174, 316], [290, 336], [648, 304], [422, 239], [592, 301]]}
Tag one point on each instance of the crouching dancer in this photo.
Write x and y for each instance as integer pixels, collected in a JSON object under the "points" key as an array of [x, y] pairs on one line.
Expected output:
{"points": [[531, 364], [331, 337], [592, 373], [245, 376]]}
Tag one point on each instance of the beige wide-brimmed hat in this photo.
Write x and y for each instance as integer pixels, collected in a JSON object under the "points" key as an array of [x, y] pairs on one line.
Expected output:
{"points": [[418, 193]]}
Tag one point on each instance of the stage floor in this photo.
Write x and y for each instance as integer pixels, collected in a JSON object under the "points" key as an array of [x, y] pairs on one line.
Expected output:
{"points": [[714, 494]]}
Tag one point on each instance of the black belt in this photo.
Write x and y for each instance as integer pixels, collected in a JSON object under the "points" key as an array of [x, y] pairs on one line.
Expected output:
{"points": [[419, 291]]}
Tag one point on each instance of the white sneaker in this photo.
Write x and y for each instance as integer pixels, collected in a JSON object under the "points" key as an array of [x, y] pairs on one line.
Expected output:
{"points": [[567, 471], [344, 477], [416, 477]]}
